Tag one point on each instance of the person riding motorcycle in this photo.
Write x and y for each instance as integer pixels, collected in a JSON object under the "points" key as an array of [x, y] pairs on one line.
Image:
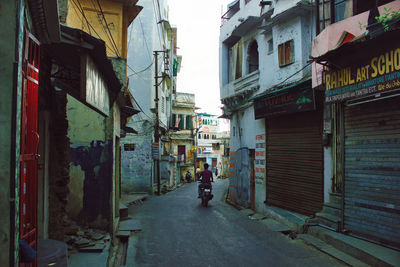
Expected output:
{"points": [[188, 176], [206, 177]]}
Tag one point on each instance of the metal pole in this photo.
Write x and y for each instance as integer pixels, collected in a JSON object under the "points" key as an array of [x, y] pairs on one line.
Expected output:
{"points": [[195, 153], [156, 125]]}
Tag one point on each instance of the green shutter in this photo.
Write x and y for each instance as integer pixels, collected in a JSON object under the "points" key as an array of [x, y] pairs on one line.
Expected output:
{"points": [[173, 120], [180, 126], [188, 122]]}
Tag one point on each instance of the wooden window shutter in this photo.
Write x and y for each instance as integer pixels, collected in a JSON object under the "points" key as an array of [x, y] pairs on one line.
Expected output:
{"points": [[281, 55]]}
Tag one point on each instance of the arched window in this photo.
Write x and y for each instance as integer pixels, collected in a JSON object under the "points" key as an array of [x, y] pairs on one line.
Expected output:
{"points": [[252, 56]]}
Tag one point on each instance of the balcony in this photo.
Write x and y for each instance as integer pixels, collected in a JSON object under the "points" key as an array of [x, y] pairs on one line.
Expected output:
{"points": [[248, 81], [236, 93], [233, 8]]}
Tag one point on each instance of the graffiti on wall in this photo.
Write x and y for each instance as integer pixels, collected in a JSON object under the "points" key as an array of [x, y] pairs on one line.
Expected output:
{"points": [[259, 161], [241, 177], [232, 156], [95, 160]]}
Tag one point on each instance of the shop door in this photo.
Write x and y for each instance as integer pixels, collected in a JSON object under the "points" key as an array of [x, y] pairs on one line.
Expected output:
{"points": [[294, 162], [214, 165], [29, 143], [372, 171], [182, 151]]}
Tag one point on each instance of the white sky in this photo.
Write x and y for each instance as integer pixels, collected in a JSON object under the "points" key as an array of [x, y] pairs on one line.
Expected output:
{"points": [[198, 24]]}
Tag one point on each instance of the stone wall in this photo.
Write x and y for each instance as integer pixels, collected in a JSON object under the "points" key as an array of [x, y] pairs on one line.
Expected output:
{"points": [[59, 167], [136, 171]]}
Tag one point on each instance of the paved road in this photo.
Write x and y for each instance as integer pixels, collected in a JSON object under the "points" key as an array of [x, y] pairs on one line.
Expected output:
{"points": [[178, 231]]}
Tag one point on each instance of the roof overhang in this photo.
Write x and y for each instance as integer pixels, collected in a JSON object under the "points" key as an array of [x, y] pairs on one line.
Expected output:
{"points": [[97, 50], [247, 25], [45, 20], [127, 129]]}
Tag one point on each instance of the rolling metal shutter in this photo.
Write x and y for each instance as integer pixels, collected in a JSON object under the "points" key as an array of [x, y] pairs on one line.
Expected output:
{"points": [[294, 162], [372, 170]]}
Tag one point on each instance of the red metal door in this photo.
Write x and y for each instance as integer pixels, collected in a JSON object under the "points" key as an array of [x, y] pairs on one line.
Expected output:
{"points": [[29, 143]]}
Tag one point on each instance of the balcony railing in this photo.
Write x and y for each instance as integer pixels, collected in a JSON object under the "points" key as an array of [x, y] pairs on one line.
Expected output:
{"points": [[231, 11], [250, 80]]}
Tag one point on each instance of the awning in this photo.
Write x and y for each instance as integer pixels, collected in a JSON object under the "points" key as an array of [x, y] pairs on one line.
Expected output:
{"points": [[68, 53], [249, 23], [353, 47], [279, 90], [129, 130], [129, 111]]}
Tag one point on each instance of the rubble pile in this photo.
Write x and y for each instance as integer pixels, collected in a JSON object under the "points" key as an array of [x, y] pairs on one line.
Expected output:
{"points": [[85, 239]]}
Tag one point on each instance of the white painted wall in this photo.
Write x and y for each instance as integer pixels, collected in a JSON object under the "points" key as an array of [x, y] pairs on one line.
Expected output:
{"points": [[300, 29]]}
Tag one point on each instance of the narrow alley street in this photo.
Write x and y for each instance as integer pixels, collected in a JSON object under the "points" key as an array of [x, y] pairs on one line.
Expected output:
{"points": [[178, 231]]}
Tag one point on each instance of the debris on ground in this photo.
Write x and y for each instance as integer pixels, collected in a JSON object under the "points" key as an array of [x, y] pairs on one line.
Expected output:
{"points": [[85, 239]]}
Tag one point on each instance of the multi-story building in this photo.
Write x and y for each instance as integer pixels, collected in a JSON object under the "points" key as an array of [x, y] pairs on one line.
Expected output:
{"points": [[357, 63], [183, 126], [64, 167], [107, 20], [223, 138], [207, 141], [152, 60], [276, 120]]}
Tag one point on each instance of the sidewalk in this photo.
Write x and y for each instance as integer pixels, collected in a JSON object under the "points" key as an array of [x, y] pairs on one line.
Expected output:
{"points": [[347, 249]]}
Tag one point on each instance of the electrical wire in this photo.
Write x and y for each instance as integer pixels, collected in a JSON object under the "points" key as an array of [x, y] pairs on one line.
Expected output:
{"points": [[158, 30], [308, 64], [102, 13], [109, 37], [145, 40], [159, 15], [140, 71], [88, 23]]}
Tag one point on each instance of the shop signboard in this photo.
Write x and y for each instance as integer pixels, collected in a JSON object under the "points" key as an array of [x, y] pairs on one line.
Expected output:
{"points": [[380, 73], [155, 150], [286, 101]]}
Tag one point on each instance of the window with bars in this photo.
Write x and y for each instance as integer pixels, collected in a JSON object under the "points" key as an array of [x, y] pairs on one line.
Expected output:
{"points": [[331, 11], [286, 53]]}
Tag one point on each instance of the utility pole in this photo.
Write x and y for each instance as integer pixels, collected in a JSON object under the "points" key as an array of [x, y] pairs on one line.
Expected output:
{"points": [[157, 123], [156, 126]]}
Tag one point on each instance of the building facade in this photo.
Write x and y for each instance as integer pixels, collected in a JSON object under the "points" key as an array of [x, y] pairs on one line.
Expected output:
{"points": [[358, 69], [151, 55], [207, 141], [265, 86], [183, 125], [61, 157]]}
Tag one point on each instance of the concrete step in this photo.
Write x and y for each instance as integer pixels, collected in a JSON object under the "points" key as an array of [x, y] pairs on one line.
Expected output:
{"points": [[330, 250], [335, 198], [123, 211], [332, 210], [327, 216], [328, 220], [367, 252]]}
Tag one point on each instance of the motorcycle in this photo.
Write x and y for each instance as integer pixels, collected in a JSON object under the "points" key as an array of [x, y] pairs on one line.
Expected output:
{"points": [[205, 194]]}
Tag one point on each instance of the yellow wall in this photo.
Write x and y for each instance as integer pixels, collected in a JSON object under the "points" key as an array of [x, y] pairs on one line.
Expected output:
{"points": [[115, 17]]}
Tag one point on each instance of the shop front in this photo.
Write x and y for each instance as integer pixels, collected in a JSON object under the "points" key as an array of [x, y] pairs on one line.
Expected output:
{"points": [[294, 151], [363, 81]]}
